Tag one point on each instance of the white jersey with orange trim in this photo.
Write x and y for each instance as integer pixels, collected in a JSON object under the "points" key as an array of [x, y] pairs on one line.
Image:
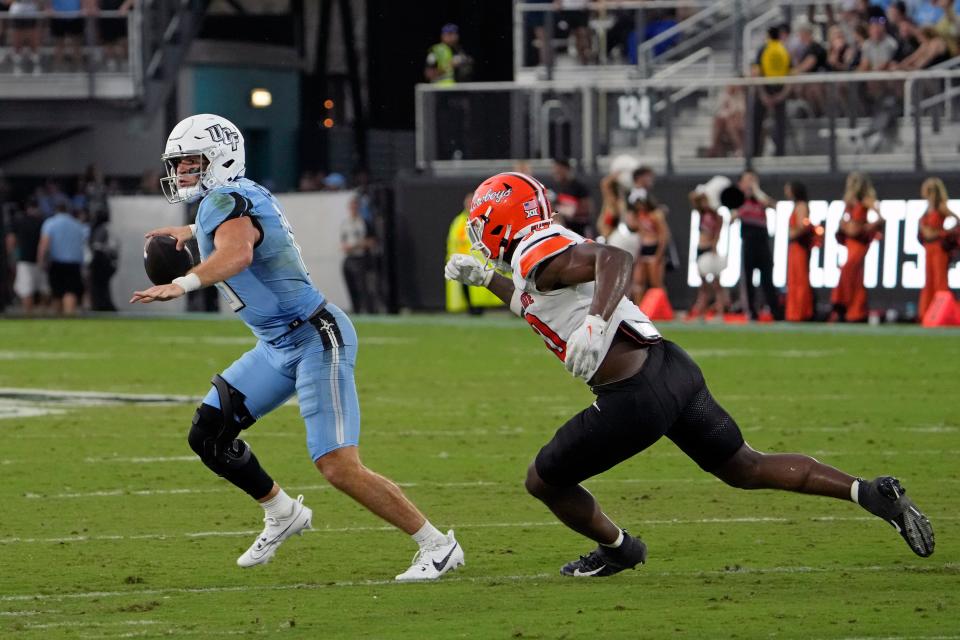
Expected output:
{"points": [[557, 314]]}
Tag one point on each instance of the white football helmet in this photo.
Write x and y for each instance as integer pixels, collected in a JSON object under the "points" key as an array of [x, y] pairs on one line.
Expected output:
{"points": [[212, 137]]}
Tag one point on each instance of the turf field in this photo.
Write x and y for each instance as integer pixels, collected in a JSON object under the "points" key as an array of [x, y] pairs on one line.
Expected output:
{"points": [[110, 529]]}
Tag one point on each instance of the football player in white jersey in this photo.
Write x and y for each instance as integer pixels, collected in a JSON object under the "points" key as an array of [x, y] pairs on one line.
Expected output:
{"points": [[572, 292]]}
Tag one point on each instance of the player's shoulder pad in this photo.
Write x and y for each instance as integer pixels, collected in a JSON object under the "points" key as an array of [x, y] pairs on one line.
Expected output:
{"points": [[541, 245], [220, 205]]}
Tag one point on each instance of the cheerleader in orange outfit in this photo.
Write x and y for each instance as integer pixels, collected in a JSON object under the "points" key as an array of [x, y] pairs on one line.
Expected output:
{"points": [[849, 298], [932, 235], [803, 237]]}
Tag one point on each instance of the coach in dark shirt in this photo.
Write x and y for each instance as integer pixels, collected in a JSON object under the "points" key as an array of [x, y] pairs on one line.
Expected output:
{"points": [[813, 59], [23, 240], [755, 245]]}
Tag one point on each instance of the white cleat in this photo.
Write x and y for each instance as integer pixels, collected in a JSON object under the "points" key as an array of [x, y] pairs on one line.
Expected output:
{"points": [[432, 562], [275, 532]]}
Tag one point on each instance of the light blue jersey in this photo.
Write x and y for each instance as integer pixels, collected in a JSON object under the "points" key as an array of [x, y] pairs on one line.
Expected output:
{"points": [[275, 292], [305, 345]]}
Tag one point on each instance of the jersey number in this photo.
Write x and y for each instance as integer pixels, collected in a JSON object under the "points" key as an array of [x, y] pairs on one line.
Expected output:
{"points": [[555, 343]]}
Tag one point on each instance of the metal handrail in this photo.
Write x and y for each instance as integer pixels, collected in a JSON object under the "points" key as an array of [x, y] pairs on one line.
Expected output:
{"points": [[588, 94], [645, 50], [696, 56], [683, 63], [704, 83]]}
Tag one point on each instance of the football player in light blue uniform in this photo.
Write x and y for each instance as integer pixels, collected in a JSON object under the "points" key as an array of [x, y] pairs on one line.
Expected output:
{"points": [[305, 345]]}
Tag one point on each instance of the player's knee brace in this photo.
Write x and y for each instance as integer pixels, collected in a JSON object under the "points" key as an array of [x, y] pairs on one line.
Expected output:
{"points": [[215, 441], [213, 437]]}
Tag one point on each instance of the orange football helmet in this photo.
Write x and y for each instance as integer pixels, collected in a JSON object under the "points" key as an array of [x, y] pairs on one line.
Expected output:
{"points": [[504, 208]]}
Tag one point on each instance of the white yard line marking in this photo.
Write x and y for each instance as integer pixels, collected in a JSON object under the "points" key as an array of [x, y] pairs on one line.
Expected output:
{"points": [[470, 579], [108, 493], [480, 525], [49, 355], [92, 623]]}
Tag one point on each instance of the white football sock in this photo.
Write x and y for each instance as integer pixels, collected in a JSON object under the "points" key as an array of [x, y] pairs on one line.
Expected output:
{"points": [[616, 543], [428, 536], [279, 506]]}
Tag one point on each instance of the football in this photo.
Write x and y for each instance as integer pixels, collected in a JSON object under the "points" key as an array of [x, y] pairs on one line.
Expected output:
{"points": [[163, 262]]}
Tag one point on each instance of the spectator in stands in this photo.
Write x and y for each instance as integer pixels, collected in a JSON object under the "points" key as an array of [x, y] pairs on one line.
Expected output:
{"points": [[62, 242], [574, 204], [773, 61], [755, 246], [849, 297], [728, 124], [840, 53], [803, 235], [931, 50], [812, 59], [66, 27], [447, 62], [879, 49], [654, 235], [575, 17], [903, 29], [23, 240], [113, 33], [356, 241], [659, 22], [932, 236], [25, 33]]}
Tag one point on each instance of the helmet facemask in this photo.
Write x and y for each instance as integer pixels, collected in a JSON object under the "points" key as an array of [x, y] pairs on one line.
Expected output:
{"points": [[170, 185], [475, 231]]}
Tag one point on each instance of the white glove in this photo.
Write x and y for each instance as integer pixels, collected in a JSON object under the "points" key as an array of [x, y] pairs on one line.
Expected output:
{"points": [[585, 346], [466, 269]]}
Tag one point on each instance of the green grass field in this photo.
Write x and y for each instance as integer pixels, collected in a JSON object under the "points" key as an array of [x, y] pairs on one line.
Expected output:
{"points": [[110, 529]]}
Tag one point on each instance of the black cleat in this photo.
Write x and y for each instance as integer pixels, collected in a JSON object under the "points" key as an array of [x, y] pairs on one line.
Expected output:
{"points": [[885, 498], [604, 561]]}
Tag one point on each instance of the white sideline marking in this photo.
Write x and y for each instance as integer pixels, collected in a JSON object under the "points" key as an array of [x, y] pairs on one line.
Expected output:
{"points": [[466, 579], [772, 353], [481, 525]]}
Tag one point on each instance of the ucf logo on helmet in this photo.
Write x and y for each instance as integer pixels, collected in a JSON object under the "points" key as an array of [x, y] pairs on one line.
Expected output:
{"points": [[224, 135]]}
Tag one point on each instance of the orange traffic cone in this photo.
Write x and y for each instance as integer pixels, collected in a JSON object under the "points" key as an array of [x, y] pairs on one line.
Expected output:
{"points": [[942, 312], [656, 305]]}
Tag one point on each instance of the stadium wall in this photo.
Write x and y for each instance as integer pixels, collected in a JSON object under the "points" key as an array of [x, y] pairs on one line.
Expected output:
{"points": [[425, 205]]}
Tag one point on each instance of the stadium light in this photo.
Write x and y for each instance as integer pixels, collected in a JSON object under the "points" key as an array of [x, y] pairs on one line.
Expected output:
{"points": [[328, 122], [328, 104], [260, 98]]}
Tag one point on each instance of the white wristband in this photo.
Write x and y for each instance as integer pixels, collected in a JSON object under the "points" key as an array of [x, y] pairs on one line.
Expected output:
{"points": [[193, 230], [189, 282]]}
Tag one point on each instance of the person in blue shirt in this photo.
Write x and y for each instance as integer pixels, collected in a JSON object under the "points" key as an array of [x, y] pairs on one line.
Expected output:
{"points": [[62, 242], [305, 345]]}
